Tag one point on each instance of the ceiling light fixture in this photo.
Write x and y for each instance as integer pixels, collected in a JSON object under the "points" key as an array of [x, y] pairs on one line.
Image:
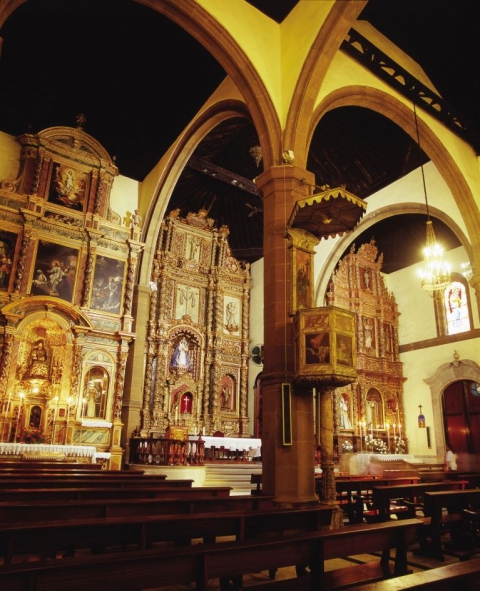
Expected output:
{"points": [[435, 274], [256, 153]]}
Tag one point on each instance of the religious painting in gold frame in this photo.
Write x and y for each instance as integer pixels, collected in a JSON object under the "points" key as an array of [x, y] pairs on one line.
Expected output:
{"points": [[324, 340], [54, 271], [68, 186], [8, 243]]}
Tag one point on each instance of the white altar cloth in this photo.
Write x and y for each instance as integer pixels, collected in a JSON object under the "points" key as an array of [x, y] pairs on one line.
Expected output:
{"points": [[362, 461], [73, 451], [249, 444]]}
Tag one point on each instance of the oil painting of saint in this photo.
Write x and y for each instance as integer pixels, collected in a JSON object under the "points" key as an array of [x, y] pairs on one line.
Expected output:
{"points": [[68, 187], [108, 280], [54, 271]]}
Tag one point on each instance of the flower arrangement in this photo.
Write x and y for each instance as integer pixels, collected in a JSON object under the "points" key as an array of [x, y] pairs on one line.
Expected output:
{"points": [[347, 447], [400, 446], [32, 435], [376, 445]]}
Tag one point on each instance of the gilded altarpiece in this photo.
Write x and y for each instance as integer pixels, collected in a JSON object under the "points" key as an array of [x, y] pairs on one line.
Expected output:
{"points": [[369, 414], [198, 335], [68, 264]]}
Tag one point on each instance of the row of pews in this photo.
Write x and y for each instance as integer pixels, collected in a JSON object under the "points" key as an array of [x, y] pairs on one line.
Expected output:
{"points": [[75, 527]]}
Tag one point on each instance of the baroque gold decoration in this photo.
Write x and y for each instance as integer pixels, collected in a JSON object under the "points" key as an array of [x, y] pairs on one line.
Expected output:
{"points": [[196, 370]]}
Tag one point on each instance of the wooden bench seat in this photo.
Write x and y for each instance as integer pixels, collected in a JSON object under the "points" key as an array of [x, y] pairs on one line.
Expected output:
{"points": [[88, 481], [444, 512], [26, 512], [100, 492], [61, 539], [383, 496], [461, 576], [200, 563]]}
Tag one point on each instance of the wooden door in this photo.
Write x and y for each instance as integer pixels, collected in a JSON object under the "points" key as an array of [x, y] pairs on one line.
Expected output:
{"points": [[461, 412]]}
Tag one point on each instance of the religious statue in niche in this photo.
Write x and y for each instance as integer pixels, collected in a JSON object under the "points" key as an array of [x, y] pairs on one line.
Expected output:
{"points": [[68, 187], [367, 278], [95, 393], [193, 247], [227, 393], [374, 410], [231, 322], [369, 333], [181, 356], [38, 367], [345, 412]]}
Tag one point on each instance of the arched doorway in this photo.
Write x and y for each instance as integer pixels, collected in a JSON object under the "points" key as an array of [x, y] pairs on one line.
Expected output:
{"points": [[461, 415], [455, 375]]}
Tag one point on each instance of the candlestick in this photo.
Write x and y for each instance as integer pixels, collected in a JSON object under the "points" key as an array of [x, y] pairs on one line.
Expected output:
{"points": [[68, 408], [8, 404]]}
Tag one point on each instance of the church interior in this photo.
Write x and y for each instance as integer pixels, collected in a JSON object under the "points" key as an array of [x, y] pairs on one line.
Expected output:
{"points": [[244, 233]]}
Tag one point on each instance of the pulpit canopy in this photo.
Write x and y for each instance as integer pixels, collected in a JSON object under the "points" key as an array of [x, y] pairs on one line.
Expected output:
{"points": [[330, 213]]}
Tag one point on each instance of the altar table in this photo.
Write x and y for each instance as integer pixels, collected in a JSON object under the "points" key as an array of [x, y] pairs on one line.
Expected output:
{"points": [[44, 451]]}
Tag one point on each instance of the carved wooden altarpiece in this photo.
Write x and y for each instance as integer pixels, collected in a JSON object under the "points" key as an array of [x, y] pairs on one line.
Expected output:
{"points": [[68, 269], [373, 404], [198, 334]]}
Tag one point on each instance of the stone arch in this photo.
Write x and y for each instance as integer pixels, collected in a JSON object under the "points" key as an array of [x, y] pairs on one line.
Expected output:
{"points": [[446, 374], [315, 67], [433, 145], [208, 31], [331, 260], [173, 168]]}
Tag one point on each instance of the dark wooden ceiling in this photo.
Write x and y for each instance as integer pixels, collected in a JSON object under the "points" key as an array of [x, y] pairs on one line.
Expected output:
{"points": [[98, 56]]}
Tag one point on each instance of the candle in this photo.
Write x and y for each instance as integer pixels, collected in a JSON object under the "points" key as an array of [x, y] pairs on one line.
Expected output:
{"points": [[203, 430], [388, 436], [8, 404], [399, 430], [22, 396], [394, 430], [68, 408], [176, 415]]}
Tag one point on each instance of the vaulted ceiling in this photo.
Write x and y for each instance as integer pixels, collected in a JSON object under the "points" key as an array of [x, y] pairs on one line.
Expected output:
{"points": [[97, 57]]}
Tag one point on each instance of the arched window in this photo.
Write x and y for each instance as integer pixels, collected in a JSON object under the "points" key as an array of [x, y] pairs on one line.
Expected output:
{"points": [[455, 307]]}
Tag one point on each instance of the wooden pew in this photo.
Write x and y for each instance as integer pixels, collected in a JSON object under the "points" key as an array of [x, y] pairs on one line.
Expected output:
{"points": [[383, 496], [88, 481], [460, 576], [62, 539], [27, 512], [443, 512], [198, 564], [354, 494], [100, 492]]}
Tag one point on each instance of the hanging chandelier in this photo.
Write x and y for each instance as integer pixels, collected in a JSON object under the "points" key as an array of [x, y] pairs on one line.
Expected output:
{"points": [[435, 274]]}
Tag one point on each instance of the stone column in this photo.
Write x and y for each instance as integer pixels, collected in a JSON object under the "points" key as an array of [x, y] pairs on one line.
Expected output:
{"points": [[134, 377], [288, 471]]}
